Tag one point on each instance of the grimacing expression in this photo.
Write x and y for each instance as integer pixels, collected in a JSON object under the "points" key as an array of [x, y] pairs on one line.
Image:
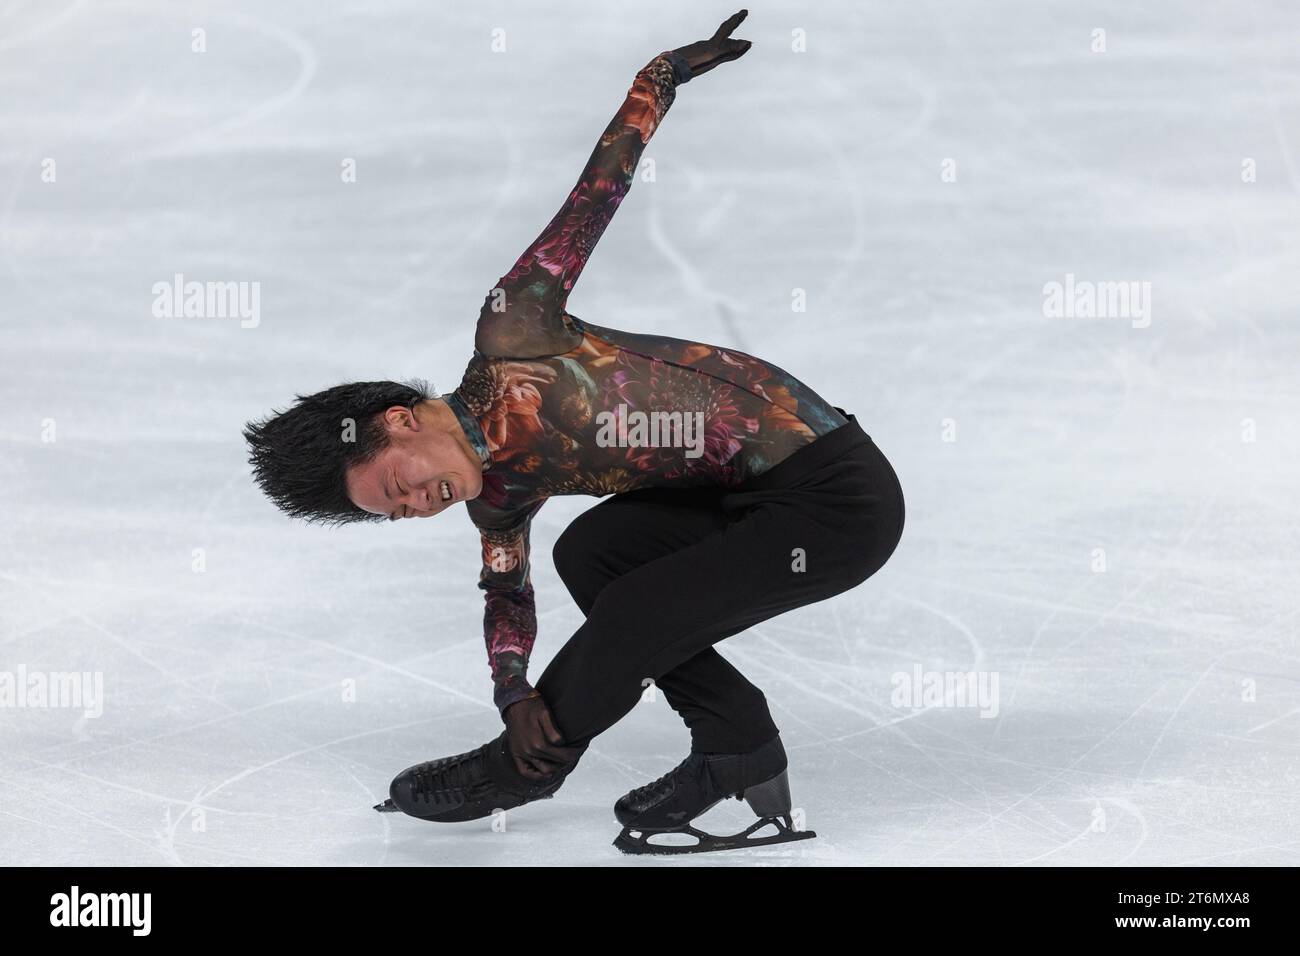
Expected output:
{"points": [[424, 470]]}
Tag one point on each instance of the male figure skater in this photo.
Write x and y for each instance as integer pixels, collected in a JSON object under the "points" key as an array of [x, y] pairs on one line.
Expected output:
{"points": [[735, 493]]}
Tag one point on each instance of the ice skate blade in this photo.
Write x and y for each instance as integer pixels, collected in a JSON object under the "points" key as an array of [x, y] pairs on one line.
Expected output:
{"points": [[389, 807], [636, 841]]}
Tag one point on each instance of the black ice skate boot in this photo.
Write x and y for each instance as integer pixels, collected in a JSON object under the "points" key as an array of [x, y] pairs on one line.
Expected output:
{"points": [[700, 782], [468, 786]]}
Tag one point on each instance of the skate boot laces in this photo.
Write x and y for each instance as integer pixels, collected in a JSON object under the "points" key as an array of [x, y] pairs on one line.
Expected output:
{"points": [[656, 790], [450, 778]]}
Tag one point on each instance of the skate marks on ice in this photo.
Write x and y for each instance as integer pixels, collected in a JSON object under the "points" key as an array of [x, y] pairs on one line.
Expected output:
{"points": [[1042, 780]]}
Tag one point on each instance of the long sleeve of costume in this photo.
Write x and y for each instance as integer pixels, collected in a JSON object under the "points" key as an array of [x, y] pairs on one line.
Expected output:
{"points": [[523, 315], [509, 615]]}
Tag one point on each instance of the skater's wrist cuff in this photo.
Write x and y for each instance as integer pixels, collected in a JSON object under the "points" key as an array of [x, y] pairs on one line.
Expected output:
{"points": [[512, 692], [681, 68]]}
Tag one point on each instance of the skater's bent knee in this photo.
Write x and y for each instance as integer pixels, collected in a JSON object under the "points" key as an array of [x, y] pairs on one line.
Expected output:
{"points": [[573, 555]]}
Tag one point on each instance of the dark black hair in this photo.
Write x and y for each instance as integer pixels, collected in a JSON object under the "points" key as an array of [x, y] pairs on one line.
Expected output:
{"points": [[300, 456]]}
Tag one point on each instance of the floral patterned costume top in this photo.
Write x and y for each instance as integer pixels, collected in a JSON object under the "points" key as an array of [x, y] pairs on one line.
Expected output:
{"points": [[557, 406]]}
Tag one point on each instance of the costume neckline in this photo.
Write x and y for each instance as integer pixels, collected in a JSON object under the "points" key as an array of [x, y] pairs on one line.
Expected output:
{"points": [[473, 430]]}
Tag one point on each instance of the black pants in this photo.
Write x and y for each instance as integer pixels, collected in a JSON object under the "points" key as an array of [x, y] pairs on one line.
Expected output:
{"points": [[664, 574]]}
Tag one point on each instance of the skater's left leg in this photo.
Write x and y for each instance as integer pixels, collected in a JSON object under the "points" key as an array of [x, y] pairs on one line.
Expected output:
{"points": [[724, 711]]}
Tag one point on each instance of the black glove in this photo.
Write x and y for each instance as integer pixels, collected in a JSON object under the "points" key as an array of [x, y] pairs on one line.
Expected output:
{"points": [[719, 48], [534, 742]]}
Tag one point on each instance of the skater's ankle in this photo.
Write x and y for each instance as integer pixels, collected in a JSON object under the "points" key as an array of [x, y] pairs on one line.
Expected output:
{"points": [[506, 771], [732, 746]]}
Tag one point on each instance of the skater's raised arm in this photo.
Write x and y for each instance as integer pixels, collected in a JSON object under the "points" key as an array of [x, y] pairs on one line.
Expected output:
{"points": [[523, 315]]}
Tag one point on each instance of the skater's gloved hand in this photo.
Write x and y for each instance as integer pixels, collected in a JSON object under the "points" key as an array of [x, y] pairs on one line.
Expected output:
{"points": [[719, 48], [535, 743]]}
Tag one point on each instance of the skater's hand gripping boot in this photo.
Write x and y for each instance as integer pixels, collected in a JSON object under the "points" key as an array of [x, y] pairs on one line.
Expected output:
{"points": [[536, 746], [717, 49]]}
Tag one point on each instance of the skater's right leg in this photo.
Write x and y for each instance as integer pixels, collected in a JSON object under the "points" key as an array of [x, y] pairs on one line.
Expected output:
{"points": [[813, 526]]}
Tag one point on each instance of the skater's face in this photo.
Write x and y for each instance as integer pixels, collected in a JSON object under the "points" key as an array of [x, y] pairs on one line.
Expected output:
{"points": [[428, 466]]}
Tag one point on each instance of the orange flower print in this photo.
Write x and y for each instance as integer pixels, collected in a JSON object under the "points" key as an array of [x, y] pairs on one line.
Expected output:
{"points": [[512, 425]]}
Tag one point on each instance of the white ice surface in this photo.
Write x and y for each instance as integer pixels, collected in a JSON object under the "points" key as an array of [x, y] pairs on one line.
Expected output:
{"points": [[1126, 735]]}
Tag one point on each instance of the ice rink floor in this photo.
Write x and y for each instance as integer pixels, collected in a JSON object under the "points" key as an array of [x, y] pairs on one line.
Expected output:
{"points": [[1102, 512]]}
